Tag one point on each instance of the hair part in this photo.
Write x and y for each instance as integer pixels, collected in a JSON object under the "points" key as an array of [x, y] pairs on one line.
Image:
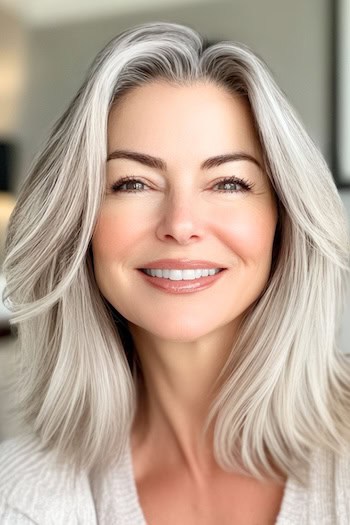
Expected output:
{"points": [[285, 388]]}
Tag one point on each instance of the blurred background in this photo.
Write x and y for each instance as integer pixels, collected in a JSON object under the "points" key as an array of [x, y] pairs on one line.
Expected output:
{"points": [[46, 47]]}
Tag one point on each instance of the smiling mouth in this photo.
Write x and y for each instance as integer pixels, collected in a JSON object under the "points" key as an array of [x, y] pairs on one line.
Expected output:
{"points": [[181, 282], [181, 275]]}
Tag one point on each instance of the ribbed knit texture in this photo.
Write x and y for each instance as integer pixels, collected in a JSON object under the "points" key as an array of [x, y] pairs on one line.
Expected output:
{"points": [[34, 490]]}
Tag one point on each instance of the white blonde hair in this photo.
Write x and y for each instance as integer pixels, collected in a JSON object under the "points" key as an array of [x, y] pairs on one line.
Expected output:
{"points": [[285, 388]]}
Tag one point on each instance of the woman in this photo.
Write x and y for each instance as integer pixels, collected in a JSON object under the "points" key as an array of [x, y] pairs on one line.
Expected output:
{"points": [[176, 262]]}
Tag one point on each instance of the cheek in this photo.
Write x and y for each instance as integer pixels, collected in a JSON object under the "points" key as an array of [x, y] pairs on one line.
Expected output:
{"points": [[113, 235], [250, 233]]}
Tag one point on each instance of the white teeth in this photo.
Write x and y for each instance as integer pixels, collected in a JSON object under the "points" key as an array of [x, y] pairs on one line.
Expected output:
{"points": [[181, 275]]}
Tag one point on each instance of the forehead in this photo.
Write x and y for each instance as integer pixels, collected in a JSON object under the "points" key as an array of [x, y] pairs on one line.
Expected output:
{"points": [[200, 115]]}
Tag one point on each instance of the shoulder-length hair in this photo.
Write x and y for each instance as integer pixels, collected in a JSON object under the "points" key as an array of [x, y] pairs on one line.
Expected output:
{"points": [[285, 387]]}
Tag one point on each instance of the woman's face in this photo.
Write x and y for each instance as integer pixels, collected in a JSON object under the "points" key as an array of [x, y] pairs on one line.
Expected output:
{"points": [[179, 208]]}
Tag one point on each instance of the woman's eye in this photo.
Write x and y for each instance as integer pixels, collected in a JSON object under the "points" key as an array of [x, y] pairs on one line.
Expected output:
{"points": [[128, 185], [234, 185]]}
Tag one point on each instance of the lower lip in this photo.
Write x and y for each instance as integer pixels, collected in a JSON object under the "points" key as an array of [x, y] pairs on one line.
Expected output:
{"points": [[189, 286]]}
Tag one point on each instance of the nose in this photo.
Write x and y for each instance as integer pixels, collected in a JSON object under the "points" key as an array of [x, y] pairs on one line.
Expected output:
{"points": [[181, 219]]}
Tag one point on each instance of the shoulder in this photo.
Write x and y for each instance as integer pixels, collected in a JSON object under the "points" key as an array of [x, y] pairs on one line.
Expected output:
{"points": [[330, 481], [340, 490], [35, 489], [335, 467], [342, 474]]}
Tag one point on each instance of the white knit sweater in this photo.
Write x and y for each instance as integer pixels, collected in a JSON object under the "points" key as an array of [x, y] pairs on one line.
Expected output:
{"points": [[33, 490]]}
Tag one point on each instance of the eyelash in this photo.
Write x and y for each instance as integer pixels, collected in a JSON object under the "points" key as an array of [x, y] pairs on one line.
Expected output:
{"points": [[246, 186]]}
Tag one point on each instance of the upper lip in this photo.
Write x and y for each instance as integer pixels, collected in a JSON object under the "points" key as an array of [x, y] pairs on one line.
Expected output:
{"points": [[180, 264]]}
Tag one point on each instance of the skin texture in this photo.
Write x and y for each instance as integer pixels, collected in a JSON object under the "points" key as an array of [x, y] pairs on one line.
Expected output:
{"points": [[183, 340]]}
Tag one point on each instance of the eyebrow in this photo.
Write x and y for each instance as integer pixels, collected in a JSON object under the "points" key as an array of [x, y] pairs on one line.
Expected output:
{"points": [[157, 163]]}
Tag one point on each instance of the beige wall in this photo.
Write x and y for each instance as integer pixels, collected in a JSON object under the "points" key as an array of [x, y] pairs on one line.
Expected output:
{"points": [[12, 72]]}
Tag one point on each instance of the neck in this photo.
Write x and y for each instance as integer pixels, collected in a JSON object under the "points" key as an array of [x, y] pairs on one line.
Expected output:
{"points": [[178, 385]]}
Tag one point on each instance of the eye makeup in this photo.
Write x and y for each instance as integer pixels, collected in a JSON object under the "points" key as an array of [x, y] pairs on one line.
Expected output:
{"points": [[244, 185]]}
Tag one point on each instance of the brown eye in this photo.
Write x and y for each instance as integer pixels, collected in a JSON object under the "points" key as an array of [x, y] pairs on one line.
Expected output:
{"points": [[127, 185]]}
